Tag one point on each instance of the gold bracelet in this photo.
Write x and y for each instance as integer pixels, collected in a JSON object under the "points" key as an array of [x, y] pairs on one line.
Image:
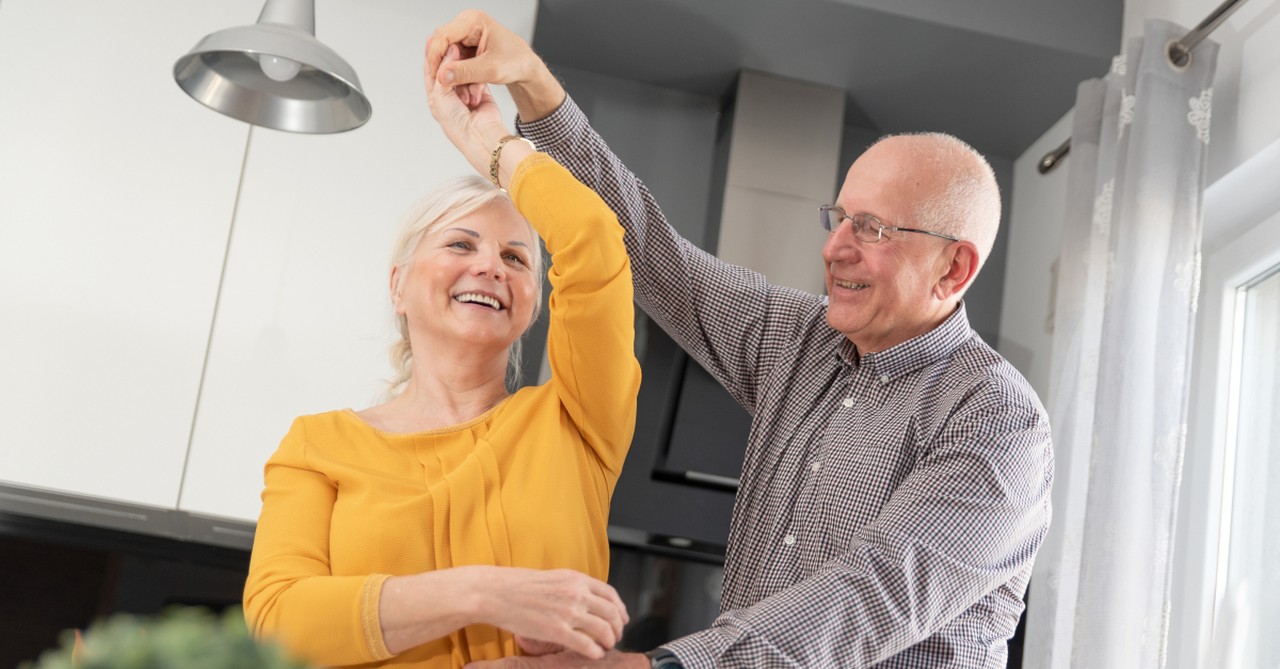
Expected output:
{"points": [[493, 158]]}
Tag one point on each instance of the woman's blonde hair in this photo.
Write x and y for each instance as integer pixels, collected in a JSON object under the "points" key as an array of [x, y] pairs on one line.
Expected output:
{"points": [[450, 202]]}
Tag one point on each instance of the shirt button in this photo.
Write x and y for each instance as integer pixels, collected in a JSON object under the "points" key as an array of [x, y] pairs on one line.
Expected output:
{"points": [[848, 402], [815, 466], [789, 540], [884, 378]]}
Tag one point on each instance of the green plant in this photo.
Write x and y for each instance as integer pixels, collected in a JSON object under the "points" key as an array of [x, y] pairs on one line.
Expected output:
{"points": [[179, 638]]}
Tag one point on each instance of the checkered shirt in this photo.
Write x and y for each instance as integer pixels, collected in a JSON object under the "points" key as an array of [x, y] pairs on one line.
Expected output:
{"points": [[891, 504]]}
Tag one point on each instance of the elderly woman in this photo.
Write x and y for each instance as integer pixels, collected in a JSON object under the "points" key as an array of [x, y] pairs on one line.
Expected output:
{"points": [[434, 529]]}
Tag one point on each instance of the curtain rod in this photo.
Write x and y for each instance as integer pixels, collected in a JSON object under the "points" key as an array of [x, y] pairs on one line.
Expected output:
{"points": [[1179, 54]]}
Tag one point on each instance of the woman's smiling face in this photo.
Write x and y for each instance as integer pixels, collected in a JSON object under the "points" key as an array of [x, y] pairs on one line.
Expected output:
{"points": [[472, 280]]}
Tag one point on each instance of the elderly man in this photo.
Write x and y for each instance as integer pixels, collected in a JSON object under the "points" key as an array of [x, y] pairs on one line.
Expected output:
{"points": [[896, 482]]}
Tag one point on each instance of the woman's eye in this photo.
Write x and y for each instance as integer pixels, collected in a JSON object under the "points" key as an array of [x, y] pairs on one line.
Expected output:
{"points": [[460, 244], [518, 259]]}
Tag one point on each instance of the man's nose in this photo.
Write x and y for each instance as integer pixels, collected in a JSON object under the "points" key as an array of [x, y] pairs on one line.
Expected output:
{"points": [[841, 244]]}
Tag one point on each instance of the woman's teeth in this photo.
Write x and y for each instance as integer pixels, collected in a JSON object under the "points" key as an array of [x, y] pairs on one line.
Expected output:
{"points": [[476, 298]]}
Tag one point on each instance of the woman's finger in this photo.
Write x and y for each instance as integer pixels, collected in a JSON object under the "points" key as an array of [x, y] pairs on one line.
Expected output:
{"points": [[608, 592], [600, 630], [582, 644]]}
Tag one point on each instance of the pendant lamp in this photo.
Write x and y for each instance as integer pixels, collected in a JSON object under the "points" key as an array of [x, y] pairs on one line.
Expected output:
{"points": [[275, 74]]}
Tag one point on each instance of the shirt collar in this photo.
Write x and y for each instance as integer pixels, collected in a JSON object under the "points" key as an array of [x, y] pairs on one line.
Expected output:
{"points": [[914, 354]]}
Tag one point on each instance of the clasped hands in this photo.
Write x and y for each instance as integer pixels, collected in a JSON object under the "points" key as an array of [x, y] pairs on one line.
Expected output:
{"points": [[465, 56]]}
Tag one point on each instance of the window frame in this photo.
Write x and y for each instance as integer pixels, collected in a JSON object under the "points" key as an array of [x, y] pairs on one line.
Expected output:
{"points": [[1247, 245]]}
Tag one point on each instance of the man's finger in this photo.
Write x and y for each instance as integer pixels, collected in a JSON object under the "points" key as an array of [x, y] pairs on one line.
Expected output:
{"points": [[466, 29], [475, 70]]}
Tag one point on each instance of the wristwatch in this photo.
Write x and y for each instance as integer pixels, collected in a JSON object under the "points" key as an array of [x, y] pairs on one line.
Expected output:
{"points": [[661, 658]]}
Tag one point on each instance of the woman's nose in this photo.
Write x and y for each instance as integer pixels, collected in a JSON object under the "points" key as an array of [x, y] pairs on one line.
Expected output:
{"points": [[489, 262]]}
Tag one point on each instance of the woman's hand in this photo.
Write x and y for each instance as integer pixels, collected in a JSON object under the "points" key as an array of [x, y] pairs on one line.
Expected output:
{"points": [[543, 608], [551, 608], [473, 125]]}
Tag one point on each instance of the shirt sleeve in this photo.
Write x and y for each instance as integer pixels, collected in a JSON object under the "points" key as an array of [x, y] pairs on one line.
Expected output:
{"points": [[965, 522], [727, 317], [591, 333], [290, 594]]}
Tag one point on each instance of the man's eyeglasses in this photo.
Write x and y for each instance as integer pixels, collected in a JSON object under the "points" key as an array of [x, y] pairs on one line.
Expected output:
{"points": [[866, 228]]}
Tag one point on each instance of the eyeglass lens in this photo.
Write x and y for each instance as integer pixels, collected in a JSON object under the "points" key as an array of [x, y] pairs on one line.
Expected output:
{"points": [[864, 228]]}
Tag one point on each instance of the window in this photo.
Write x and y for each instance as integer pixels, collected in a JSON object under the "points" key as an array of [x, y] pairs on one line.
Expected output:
{"points": [[1247, 592], [1225, 589]]}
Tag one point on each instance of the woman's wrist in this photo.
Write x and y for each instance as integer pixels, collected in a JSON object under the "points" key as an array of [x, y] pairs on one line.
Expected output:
{"points": [[475, 594], [505, 158], [417, 608]]}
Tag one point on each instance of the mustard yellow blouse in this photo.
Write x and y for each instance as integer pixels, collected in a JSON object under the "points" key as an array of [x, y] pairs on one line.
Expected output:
{"points": [[527, 484]]}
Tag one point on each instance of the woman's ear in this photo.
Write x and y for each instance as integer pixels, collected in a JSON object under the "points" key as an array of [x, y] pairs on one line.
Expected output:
{"points": [[963, 266], [396, 302]]}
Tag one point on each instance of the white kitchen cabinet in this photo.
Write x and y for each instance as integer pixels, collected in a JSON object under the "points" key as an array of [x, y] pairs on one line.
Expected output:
{"points": [[116, 195]]}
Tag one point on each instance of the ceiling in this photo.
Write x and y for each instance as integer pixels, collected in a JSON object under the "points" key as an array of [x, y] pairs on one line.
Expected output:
{"points": [[996, 73]]}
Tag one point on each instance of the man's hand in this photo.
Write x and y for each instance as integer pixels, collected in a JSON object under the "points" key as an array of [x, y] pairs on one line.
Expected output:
{"points": [[492, 54], [567, 660]]}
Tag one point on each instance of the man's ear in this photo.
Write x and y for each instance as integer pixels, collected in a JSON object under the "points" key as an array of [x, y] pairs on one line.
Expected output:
{"points": [[395, 291], [963, 266]]}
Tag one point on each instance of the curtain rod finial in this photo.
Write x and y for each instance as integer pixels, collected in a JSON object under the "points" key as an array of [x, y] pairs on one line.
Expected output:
{"points": [[1051, 159]]}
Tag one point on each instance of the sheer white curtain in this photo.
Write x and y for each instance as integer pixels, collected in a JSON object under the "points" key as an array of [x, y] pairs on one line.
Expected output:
{"points": [[1126, 300]]}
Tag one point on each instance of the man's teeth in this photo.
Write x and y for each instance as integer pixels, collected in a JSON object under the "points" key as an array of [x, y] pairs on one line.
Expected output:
{"points": [[850, 285], [477, 298]]}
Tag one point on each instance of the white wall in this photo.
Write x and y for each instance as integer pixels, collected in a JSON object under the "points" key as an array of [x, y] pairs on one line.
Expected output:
{"points": [[1034, 233]]}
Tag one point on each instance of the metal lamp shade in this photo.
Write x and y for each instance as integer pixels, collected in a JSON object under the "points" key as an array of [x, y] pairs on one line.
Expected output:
{"points": [[223, 72]]}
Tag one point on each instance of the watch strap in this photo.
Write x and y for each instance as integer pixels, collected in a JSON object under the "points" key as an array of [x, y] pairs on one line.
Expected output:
{"points": [[661, 658]]}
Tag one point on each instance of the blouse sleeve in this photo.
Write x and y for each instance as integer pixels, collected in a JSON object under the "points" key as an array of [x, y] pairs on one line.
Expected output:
{"points": [[290, 594], [591, 333]]}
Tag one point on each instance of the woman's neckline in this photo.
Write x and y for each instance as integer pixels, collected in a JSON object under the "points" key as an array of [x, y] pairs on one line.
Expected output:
{"points": [[456, 427]]}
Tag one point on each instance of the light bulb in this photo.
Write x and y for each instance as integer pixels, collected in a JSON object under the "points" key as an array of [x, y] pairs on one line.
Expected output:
{"points": [[277, 68]]}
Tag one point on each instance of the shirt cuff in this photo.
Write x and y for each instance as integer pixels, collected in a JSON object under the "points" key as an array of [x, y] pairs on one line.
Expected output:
{"points": [[370, 616], [701, 649], [556, 128]]}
